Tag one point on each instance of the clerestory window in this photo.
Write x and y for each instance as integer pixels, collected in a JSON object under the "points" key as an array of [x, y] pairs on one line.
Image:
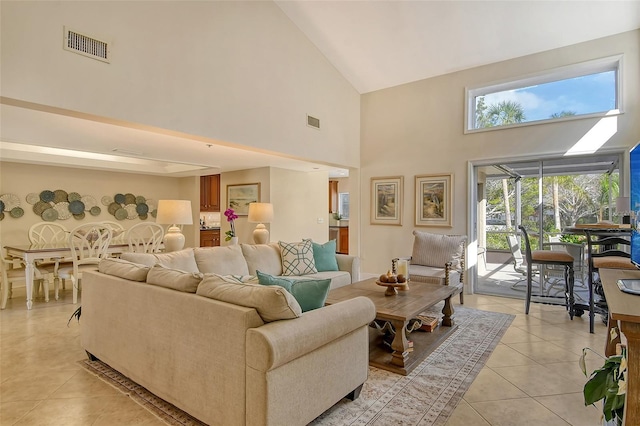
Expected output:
{"points": [[575, 91]]}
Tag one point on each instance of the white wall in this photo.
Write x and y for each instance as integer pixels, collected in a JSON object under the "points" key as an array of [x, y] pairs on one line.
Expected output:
{"points": [[417, 128], [22, 179], [239, 72], [299, 200]]}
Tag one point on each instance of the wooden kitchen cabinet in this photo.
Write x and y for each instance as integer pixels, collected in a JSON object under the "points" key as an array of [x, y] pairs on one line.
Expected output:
{"points": [[210, 193], [210, 238], [343, 235]]}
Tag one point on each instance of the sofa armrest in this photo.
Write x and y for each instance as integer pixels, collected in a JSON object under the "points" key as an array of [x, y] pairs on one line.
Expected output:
{"points": [[279, 342], [350, 264]]}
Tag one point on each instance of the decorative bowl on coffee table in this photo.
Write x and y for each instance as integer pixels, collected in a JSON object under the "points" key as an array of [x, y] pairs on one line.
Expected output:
{"points": [[392, 288]]}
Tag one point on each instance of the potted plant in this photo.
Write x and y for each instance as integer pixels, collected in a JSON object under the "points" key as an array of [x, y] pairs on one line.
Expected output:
{"points": [[608, 384], [231, 234]]}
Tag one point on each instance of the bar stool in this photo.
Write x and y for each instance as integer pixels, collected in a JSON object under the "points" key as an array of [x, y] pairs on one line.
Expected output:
{"points": [[610, 250], [548, 257]]}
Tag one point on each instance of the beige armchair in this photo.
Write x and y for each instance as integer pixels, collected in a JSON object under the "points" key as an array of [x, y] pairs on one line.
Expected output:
{"points": [[438, 259]]}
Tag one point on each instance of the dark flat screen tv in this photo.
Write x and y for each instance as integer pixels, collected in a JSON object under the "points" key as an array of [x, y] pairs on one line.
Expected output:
{"points": [[634, 178]]}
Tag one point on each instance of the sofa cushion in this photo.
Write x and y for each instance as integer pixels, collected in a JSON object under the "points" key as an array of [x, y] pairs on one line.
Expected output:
{"points": [[175, 279], [124, 269], [271, 303], [338, 278], [227, 260], [183, 260], [265, 257], [310, 294], [436, 249], [297, 258], [235, 279], [324, 256]]}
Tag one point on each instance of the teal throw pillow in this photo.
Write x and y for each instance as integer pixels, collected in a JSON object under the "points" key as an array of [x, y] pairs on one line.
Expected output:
{"points": [[310, 294], [324, 255]]}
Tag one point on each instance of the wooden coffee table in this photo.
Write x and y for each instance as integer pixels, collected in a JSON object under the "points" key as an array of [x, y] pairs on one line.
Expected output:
{"points": [[399, 310]]}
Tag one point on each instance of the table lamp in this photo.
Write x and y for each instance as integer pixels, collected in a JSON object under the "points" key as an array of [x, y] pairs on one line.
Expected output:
{"points": [[174, 213], [260, 213]]}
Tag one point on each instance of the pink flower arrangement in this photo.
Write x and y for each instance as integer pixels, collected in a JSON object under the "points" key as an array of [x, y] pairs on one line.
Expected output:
{"points": [[231, 217]]}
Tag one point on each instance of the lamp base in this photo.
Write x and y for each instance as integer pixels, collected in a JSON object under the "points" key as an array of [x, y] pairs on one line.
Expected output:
{"points": [[261, 234], [173, 239]]}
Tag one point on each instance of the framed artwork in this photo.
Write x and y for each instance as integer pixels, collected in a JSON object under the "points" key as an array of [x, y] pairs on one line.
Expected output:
{"points": [[434, 200], [386, 200], [240, 196]]}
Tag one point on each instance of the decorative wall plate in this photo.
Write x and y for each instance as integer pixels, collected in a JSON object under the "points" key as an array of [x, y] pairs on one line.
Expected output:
{"points": [[10, 201], [60, 195], [79, 216], [113, 208], [129, 199], [140, 199], [95, 211], [142, 208], [74, 196], [1, 215], [121, 214], [76, 207], [143, 217], [32, 198], [16, 212], [63, 210], [1, 206], [50, 215], [131, 211], [119, 198], [40, 207], [47, 196], [106, 200]]}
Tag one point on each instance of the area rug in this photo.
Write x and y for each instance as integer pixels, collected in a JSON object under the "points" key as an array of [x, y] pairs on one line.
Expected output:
{"points": [[427, 396]]}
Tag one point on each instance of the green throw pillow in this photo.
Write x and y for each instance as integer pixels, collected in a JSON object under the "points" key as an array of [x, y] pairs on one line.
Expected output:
{"points": [[310, 294], [324, 255]]}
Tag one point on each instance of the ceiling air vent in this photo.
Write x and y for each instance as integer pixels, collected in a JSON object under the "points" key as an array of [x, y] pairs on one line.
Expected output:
{"points": [[85, 45], [313, 122]]}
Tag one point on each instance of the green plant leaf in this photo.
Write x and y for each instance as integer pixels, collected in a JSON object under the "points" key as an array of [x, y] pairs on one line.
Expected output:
{"points": [[596, 387]]}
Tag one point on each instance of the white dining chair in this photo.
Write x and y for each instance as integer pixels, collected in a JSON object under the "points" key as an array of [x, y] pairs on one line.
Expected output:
{"points": [[118, 231], [89, 244], [13, 270], [45, 233], [145, 237]]}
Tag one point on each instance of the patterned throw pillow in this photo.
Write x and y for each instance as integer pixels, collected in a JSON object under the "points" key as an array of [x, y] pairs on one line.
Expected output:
{"points": [[297, 258]]}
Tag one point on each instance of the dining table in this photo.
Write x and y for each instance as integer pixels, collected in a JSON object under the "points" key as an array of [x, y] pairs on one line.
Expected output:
{"points": [[32, 253]]}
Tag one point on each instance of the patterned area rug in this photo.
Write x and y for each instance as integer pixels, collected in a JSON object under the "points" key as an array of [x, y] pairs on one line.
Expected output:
{"points": [[427, 396]]}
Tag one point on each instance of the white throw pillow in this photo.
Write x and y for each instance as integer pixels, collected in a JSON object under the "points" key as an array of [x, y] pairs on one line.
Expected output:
{"points": [[174, 279], [272, 303], [226, 260], [123, 269], [263, 257], [436, 250], [297, 258]]}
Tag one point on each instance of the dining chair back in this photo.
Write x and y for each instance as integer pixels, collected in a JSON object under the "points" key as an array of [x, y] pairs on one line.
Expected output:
{"points": [[145, 237], [544, 258], [118, 231], [12, 270], [611, 250], [89, 244], [45, 233]]}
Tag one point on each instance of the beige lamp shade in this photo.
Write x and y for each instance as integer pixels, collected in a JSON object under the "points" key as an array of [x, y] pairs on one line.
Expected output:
{"points": [[174, 212], [260, 213]]}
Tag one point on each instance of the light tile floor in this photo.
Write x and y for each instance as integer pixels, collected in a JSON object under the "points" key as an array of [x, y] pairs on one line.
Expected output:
{"points": [[532, 378]]}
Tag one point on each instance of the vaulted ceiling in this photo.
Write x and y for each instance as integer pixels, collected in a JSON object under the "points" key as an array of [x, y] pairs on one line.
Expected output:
{"points": [[375, 45]]}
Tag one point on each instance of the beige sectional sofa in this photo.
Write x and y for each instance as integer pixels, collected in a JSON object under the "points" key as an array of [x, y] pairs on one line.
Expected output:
{"points": [[217, 345]]}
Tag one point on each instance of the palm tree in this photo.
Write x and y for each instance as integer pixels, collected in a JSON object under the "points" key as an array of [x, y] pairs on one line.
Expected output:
{"points": [[504, 113]]}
